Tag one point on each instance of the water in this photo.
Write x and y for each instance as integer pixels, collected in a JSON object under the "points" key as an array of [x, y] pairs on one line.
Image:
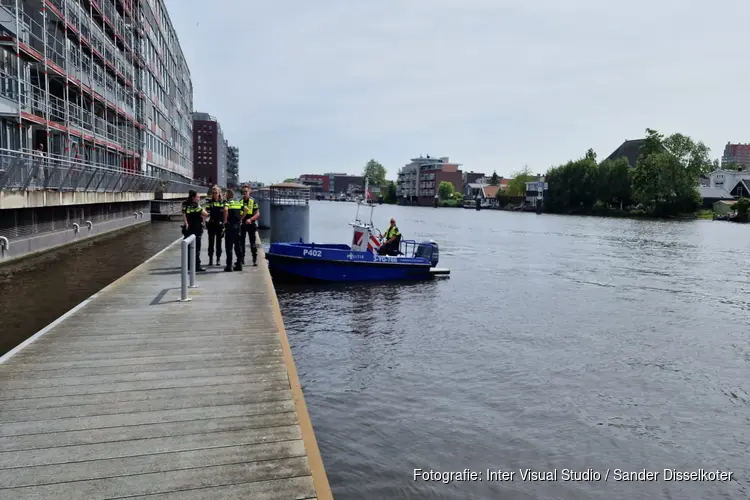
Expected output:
{"points": [[38, 290], [557, 343]]}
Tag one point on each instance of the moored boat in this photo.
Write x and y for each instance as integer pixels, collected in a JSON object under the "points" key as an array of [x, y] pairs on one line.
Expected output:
{"points": [[359, 261]]}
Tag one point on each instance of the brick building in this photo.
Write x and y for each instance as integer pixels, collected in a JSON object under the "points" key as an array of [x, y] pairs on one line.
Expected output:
{"points": [[209, 150]]}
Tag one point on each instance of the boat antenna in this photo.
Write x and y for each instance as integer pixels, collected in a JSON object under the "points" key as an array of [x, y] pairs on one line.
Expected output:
{"points": [[367, 196]]}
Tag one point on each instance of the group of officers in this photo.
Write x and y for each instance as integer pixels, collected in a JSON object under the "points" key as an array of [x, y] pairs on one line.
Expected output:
{"points": [[225, 218]]}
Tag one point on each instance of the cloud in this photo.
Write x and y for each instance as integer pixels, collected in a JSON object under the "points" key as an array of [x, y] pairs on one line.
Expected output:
{"points": [[306, 87]]}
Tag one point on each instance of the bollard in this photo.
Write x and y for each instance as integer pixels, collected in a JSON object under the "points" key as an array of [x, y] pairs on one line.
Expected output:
{"points": [[90, 225], [76, 227], [188, 252], [4, 246], [191, 258]]}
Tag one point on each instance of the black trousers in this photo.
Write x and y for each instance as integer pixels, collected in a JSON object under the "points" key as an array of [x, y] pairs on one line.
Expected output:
{"points": [[249, 229], [198, 235], [232, 241], [214, 235], [389, 248]]}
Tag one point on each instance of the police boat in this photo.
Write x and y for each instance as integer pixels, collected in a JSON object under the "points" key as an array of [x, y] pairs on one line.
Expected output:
{"points": [[356, 262]]}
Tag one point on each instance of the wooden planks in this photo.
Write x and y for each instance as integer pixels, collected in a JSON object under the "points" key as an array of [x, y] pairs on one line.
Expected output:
{"points": [[138, 395]]}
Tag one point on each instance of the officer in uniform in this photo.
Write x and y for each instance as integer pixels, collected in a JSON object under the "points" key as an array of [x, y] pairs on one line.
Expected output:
{"points": [[250, 215], [215, 225], [232, 222], [193, 215], [391, 240]]}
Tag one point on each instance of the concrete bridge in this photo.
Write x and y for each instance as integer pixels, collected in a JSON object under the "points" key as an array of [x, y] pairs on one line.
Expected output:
{"points": [[48, 201]]}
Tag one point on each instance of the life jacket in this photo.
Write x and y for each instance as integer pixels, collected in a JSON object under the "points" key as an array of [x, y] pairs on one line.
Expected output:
{"points": [[392, 231]]}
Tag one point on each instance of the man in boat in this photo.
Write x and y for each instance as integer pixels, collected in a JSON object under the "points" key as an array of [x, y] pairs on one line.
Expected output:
{"points": [[392, 240]]}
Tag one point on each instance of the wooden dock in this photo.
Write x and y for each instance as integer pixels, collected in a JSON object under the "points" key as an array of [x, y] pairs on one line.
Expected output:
{"points": [[135, 394]]}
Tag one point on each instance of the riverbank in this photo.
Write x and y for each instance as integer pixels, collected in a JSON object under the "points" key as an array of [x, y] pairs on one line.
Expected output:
{"points": [[704, 214]]}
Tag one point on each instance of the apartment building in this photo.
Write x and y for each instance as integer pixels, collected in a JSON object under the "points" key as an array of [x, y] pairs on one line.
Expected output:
{"points": [[233, 166], [738, 154], [418, 180], [209, 150], [100, 81]]}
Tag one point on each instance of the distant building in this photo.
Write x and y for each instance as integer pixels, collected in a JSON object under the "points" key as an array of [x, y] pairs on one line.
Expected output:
{"points": [[318, 184], [209, 150], [733, 182], [233, 166], [736, 154], [473, 178], [536, 189], [630, 150], [348, 184], [419, 180]]}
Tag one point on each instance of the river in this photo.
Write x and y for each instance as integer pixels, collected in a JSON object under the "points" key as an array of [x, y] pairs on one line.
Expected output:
{"points": [[39, 289], [558, 343]]}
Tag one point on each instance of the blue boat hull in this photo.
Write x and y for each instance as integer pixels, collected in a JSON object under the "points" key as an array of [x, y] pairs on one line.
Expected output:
{"points": [[338, 263]]}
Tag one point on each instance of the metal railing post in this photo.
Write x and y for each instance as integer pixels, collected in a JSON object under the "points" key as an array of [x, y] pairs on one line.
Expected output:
{"points": [[191, 250], [187, 255]]}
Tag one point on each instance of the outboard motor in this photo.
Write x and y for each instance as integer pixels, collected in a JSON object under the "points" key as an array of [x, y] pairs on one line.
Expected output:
{"points": [[428, 250]]}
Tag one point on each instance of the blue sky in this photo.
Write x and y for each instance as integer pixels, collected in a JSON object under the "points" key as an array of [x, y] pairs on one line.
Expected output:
{"points": [[313, 87]]}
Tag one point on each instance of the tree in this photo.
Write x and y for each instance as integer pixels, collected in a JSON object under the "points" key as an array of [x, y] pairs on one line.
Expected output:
{"points": [[694, 156], [728, 166], [614, 184], [446, 190], [375, 172], [664, 181], [290, 180], [495, 179], [742, 207], [517, 185], [576, 185], [390, 193]]}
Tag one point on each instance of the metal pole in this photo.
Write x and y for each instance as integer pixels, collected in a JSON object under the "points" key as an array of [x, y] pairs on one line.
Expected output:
{"points": [[191, 249], [185, 244]]}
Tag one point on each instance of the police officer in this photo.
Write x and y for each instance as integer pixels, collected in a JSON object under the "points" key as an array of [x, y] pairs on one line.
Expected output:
{"points": [[250, 215], [232, 222], [391, 240], [192, 216], [215, 225]]}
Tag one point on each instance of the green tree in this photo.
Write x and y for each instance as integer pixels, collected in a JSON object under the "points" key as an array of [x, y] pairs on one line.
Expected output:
{"points": [[290, 180], [576, 185], [375, 172], [665, 183], [495, 179], [446, 190], [390, 193], [694, 156], [742, 207], [517, 185], [728, 166], [614, 183]]}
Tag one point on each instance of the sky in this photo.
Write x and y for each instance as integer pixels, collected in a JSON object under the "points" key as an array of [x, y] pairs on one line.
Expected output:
{"points": [[313, 87]]}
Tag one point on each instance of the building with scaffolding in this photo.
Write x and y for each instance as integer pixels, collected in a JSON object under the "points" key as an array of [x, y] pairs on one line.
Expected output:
{"points": [[100, 82]]}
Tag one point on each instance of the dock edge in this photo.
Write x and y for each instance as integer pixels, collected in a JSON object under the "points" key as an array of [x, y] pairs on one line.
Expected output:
{"points": [[317, 470]]}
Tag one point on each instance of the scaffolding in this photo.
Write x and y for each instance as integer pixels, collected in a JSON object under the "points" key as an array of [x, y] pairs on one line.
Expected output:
{"points": [[72, 82]]}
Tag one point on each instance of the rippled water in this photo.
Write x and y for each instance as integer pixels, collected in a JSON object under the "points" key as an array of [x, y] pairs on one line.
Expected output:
{"points": [[558, 342], [38, 290]]}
